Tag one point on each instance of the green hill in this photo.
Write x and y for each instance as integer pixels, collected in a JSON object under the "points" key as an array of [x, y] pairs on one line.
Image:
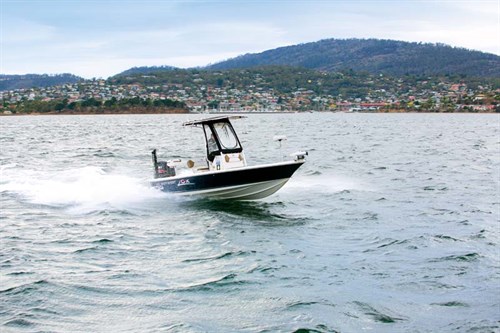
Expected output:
{"points": [[374, 56], [287, 79], [145, 70], [12, 82]]}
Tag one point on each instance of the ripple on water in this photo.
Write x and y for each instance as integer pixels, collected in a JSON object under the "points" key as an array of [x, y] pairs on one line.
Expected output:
{"points": [[452, 304], [227, 282], [19, 273], [321, 328], [243, 212], [447, 238], [367, 236], [20, 323], [378, 315], [467, 257], [222, 256], [26, 288], [103, 241], [305, 304], [87, 249]]}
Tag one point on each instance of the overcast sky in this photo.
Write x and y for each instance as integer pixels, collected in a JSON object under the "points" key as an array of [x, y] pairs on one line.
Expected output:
{"points": [[100, 38]]}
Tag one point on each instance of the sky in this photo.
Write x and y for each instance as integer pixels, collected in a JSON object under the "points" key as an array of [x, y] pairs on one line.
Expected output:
{"points": [[100, 38]]}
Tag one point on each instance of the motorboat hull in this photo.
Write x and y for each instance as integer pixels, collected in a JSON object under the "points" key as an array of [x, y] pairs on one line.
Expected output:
{"points": [[247, 183]]}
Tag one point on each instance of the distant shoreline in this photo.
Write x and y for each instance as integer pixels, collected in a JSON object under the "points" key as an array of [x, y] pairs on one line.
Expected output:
{"points": [[182, 111], [101, 112]]}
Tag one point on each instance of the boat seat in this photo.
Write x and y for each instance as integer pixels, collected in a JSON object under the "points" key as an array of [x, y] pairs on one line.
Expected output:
{"points": [[191, 164]]}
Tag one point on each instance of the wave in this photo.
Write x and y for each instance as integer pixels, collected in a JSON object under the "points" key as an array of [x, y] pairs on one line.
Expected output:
{"points": [[376, 314], [468, 257], [301, 304], [19, 273], [222, 256], [103, 241], [452, 304], [318, 329], [81, 190], [324, 182], [210, 285], [25, 288], [91, 249], [255, 211], [20, 322]]}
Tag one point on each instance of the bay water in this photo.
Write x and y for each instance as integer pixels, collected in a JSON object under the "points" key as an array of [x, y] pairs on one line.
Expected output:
{"points": [[392, 225]]}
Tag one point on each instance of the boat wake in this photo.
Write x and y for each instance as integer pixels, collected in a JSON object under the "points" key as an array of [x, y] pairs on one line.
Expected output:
{"points": [[80, 190], [324, 183]]}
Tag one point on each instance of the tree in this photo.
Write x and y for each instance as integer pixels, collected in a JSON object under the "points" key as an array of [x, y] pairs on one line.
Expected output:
{"points": [[110, 103], [61, 105], [213, 104], [428, 105]]}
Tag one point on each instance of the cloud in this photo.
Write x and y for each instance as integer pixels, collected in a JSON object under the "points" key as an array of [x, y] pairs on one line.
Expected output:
{"points": [[200, 38], [83, 38], [18, 30], [184, 47], [473, 25], [458, 24]]}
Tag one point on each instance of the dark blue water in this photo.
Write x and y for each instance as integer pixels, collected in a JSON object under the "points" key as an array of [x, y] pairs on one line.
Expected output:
{"points": [[391, 226]]}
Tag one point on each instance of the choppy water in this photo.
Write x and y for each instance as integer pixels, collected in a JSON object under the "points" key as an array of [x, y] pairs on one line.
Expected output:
{"points": [[391, 226]]}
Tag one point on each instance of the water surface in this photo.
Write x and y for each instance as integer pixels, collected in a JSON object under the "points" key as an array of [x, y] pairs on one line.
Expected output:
{"points": [[390, 226]]}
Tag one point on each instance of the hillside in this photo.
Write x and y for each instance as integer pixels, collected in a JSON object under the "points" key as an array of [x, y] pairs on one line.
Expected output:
{"points": [[282, 79], [374, 56], [144, 70], [12, 82], [287, 79], [269, 88]]}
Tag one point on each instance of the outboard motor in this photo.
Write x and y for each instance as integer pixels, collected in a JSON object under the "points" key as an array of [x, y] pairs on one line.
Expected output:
{"points": [[162, 169]]}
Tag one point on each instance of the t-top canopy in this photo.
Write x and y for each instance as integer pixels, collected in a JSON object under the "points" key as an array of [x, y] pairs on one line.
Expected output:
{"points": [[210, 120]]}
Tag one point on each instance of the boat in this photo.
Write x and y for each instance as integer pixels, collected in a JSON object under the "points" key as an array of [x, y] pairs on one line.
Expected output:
{"points": [[224, 173]]}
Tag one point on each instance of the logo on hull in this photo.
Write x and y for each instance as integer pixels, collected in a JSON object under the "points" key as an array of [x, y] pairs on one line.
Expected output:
{"points": [[184, 182]]}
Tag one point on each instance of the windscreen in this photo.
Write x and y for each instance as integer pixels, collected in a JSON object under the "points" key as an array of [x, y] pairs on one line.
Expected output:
{"points": [[211, 142], [226, 136]]}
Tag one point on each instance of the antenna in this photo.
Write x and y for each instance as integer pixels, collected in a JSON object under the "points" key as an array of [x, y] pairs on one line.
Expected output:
{"points": [[280, 138]]}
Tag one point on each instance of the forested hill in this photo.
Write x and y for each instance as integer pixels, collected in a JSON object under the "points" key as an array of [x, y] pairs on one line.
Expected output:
{"points": [[145, 70], [374, 56], [12, 82]]}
